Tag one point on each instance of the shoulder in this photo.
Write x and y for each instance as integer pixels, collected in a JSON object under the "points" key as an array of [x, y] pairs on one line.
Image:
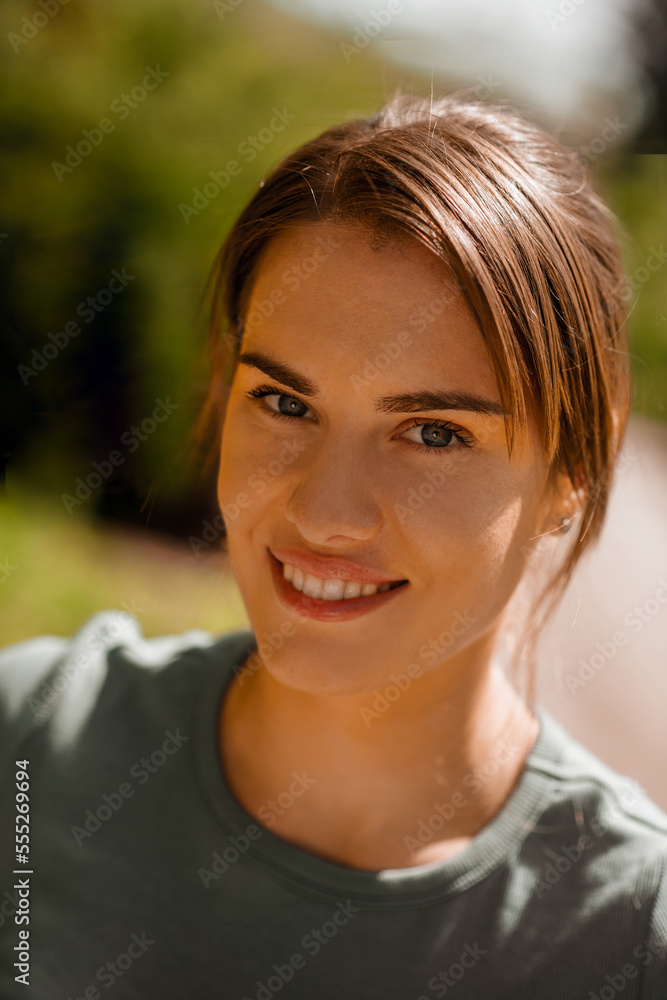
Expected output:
{"points": [[47, 679], [603, 826], [577, 776]]}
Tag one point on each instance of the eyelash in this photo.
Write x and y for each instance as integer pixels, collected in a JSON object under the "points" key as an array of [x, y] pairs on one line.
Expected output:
{"points": [[272, 390]]}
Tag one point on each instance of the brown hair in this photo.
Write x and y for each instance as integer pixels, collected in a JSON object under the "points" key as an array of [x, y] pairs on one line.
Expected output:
{"points": [[515, 215]]}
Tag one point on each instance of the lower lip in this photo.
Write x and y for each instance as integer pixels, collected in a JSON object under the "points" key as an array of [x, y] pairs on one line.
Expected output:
{"points": [[321, 610]]}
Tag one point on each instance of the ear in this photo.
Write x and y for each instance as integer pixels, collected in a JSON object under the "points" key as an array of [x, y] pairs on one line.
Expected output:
{"points": [[562, 499]]}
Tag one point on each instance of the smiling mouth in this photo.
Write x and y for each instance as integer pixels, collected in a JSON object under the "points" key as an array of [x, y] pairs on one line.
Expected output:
{"points": [[333, 589]]}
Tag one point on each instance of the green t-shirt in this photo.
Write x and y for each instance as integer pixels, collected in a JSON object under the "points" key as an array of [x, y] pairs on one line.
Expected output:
{"points": [[145, 879]]}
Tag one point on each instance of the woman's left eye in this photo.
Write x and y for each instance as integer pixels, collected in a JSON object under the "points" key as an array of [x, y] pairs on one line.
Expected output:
{"points": [[439, 437], [440, 434]]}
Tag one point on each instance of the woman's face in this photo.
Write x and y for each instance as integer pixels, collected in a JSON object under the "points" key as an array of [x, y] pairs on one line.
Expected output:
{"points": [[332, 464]]}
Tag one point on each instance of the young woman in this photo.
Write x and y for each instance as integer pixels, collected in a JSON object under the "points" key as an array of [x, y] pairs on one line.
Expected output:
{"points": [[419, 388]]}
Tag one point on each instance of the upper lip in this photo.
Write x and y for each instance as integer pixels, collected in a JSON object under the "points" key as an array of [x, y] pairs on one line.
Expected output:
{"points": [[330, 567]]}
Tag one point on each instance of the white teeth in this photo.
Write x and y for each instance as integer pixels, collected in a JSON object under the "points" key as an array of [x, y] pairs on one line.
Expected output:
{"points": [[312, 586], [332, 589]]}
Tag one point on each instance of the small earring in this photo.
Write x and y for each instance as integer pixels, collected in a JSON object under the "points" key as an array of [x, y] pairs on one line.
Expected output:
{"points": [[565, 524]]}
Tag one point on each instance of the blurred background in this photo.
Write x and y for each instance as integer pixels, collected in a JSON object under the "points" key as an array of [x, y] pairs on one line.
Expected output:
{"points": [[131, 135]]}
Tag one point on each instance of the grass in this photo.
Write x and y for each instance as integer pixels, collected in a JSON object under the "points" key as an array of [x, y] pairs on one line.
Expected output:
{"points": [[56, 570]]}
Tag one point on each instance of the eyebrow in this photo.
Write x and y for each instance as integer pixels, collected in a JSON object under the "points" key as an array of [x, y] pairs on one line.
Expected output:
{"points": [[404, 402]]}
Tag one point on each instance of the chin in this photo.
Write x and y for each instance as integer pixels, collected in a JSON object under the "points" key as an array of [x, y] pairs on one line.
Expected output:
{"points": [[312, 674]]}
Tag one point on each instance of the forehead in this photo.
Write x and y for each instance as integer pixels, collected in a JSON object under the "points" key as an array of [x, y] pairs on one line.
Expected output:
{"points": [[327, 293]]}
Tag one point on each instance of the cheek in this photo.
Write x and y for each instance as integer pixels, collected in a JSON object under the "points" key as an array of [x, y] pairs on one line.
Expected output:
{"points": [[504, 540], [461, 498], [237, 462], [500, 542], [472, 522], [253, 469]]}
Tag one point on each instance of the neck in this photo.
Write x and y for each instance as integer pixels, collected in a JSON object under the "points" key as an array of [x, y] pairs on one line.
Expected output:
{"points": [[457, 737]]}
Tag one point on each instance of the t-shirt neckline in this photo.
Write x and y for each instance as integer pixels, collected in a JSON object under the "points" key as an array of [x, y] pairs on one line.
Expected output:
{"points": [[308, 873]]}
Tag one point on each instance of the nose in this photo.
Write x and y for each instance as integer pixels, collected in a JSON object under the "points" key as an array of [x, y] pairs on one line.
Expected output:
{"points": [[335, 494]]}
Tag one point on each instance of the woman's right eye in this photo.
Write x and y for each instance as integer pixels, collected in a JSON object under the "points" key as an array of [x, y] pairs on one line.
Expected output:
{"points": [[292, 404]]}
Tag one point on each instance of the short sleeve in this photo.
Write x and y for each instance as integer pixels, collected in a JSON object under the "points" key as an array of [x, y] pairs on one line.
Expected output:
{"points": [[36, 672]]}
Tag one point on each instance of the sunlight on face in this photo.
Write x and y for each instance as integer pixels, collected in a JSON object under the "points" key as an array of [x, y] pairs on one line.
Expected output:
{"points": [[421, 490]]}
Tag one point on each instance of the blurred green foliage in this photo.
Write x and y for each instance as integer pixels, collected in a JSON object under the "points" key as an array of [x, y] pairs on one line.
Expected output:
{"points": [[635, 187]]}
